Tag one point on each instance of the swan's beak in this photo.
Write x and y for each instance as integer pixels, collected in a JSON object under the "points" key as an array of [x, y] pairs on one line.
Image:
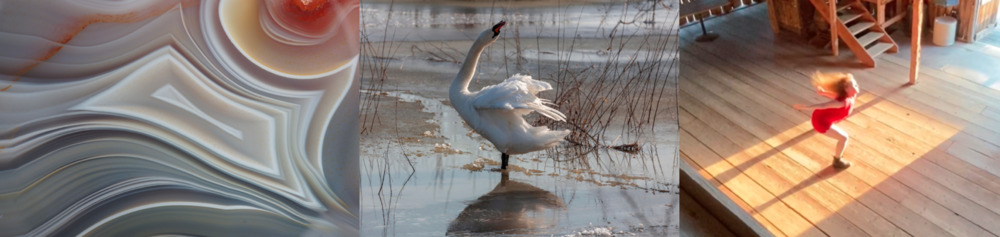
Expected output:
{"points": [[496, 28]]}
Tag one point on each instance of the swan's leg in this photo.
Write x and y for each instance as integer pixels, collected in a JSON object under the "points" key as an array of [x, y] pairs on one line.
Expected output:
{"points": [[503, 160]]}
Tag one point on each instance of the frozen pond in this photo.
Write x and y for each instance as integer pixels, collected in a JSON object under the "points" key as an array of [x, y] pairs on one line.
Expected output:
{"points": [[422, 22], [425, 173], [455, 186]]}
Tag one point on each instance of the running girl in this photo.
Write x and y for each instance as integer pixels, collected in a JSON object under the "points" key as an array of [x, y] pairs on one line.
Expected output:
{"points": [[842, 88]]}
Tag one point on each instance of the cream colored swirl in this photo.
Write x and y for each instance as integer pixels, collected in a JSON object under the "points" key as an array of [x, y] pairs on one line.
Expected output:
{"points": [[155, 117]]}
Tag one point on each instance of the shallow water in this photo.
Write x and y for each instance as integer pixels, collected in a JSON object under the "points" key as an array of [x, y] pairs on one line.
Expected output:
{"points": [[459, 189]]}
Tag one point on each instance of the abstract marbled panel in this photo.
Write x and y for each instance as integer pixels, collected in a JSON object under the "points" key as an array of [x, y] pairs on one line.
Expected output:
{"points": [[178, 117]]}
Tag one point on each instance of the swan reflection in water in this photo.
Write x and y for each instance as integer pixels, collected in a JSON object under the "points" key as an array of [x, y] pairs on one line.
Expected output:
{"points": [[511, 208]]}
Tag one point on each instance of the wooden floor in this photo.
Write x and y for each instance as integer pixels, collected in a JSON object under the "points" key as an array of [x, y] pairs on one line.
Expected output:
{"points": [[926, 157], [699, 221]]}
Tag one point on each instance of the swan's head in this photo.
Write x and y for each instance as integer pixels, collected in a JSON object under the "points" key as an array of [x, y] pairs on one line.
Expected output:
{"points": [[496, 29], [491, 35]]}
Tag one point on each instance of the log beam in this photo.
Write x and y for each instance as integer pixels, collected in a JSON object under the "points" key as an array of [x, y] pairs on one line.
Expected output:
{"points": [[918, 19], [833, 26]]}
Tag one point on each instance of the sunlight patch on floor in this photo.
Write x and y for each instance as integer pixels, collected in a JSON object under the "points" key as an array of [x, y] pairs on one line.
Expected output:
{"points": [[793, 144]]}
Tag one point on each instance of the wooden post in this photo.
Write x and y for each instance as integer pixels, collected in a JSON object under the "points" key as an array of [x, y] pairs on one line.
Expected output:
{"points": [[772, 15], [918, 20], [880, 14], [833, 27]]}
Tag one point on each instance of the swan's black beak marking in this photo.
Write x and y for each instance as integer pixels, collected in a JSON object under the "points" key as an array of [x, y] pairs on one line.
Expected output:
{"points": [[496, 28]]}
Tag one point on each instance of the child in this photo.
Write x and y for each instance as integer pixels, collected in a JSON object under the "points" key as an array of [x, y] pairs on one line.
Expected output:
{"points": [[842, 88]]}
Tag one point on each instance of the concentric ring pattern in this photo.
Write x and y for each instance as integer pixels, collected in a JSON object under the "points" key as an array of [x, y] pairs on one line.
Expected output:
{"points": [[137, 117]]}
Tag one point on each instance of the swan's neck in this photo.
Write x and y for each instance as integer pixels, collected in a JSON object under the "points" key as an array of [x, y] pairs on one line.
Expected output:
{"points": [[464, 77]]}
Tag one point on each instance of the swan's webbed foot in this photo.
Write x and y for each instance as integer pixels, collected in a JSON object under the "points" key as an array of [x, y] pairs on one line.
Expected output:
{"points": [[503, 159]]}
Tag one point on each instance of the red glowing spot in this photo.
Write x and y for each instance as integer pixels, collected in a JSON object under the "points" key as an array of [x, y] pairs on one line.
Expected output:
{"points": [[307, 11]]}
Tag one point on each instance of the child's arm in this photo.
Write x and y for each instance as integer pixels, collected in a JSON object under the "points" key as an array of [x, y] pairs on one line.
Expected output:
{"points": [[827, 105]]}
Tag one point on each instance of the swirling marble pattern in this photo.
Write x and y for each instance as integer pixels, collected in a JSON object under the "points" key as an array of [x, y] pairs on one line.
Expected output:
{"points": [[178, 117]]}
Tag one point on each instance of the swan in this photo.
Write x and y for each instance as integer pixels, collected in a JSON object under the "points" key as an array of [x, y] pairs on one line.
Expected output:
{"points": [[497, 112]]}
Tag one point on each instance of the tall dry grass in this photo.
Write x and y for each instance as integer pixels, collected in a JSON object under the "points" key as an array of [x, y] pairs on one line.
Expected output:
{"points": [[374, 73], [624, 92], [375, 60]]}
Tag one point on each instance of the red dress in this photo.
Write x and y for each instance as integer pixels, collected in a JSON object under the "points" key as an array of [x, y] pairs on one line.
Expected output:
{"points": [[822, 119]]}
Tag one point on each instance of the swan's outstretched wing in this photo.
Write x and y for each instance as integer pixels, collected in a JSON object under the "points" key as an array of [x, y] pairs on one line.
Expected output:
{"points": [[517, 93]]}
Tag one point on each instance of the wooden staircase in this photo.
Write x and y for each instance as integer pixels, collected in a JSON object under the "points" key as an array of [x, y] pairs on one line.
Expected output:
{"points": [[856, 27]]}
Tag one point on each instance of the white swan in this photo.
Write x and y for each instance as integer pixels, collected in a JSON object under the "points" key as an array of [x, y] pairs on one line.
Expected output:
{"points": [[497, 112]]}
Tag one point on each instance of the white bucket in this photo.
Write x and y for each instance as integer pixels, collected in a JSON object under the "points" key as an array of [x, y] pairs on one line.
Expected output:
{"points": [[944, 30]]}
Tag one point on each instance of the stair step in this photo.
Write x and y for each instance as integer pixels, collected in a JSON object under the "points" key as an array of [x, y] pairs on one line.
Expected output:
{"points": [[878, 49], [842, 7], [849, 17], [860, 26], [870, 37]]}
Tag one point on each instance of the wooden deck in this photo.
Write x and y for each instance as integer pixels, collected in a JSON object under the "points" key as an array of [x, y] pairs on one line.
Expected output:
{"points": [[926, 157]]}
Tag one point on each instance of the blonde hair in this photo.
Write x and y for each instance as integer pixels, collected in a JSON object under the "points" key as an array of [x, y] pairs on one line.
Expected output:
{"points": [[836, 84]]}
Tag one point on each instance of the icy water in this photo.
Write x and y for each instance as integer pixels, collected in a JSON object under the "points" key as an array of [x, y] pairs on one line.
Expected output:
{"points": [[422, 22], [454, 186], [425, 173]]}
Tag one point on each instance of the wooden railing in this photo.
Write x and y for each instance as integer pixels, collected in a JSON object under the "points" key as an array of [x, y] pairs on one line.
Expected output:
{"points": [[720, 8]]}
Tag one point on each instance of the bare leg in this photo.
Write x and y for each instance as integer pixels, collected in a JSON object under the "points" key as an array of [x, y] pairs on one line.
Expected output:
{"points": [[842, 139], [503, 160]]}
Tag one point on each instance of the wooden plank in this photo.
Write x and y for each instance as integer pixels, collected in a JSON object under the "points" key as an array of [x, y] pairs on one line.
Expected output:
{"points": [[732, 197], [870, 37], [991, 112], [697, 221], [710, 200], [981, 203], [859, 27], [879, 48], [848, 17], [972, 91], [940, 102]]}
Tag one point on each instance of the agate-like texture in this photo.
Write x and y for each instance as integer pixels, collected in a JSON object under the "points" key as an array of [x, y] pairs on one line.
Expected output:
{"points": [[138, 117]]}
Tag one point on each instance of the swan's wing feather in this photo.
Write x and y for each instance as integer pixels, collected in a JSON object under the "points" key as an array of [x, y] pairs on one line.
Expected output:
{"points": [[548, 112], [517, 92]]}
